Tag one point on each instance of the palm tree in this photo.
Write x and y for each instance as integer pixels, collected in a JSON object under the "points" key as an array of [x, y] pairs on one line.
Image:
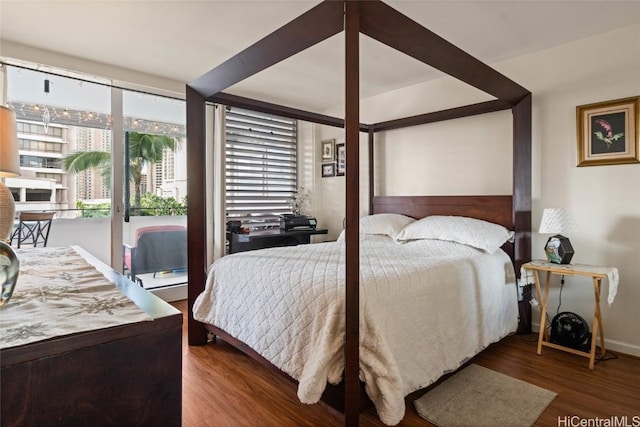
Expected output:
{"points": [[143, 149]]}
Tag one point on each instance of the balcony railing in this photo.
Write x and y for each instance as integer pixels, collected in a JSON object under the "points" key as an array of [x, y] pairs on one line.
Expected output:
{"points": [[93, 233]]}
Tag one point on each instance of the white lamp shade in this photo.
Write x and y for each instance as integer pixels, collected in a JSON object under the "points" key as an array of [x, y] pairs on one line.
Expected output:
{"points": [[556, 221], [9, 157]]}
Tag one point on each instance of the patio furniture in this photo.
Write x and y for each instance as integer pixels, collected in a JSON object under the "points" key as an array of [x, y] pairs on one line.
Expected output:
{"points": [[33, 229], [157, 248]]}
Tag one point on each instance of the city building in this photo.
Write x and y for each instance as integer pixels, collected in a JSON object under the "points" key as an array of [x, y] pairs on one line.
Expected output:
{"points": [[44, 185]]}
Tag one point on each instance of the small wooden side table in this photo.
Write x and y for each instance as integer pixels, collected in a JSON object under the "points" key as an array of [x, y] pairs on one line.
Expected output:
{"points": [[597, 273]]}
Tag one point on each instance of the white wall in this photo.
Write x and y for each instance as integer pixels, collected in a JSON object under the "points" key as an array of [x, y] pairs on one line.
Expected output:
{"points": [[419, 160], [331, 200], [473, 156], [604, 200], [120, 76]]}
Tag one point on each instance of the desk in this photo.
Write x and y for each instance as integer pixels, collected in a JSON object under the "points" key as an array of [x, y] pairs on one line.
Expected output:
{"points": [[596, 273], [261, 239]]}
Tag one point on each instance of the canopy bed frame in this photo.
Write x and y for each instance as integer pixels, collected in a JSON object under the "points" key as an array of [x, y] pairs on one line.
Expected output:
{"points": [[383, 23]]}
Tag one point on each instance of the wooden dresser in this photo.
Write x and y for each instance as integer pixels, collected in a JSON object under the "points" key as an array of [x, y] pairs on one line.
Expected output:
{"points": [[126, 375]]}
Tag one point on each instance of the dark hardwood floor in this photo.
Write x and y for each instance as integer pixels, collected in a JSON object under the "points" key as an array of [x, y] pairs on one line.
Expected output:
{"points": [[223, 387]]}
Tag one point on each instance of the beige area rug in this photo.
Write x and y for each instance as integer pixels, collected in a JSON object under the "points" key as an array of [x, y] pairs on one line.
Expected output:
{"points": [[478, 396]]}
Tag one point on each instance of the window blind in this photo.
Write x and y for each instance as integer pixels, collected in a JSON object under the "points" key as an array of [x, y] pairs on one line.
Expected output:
{"points": [[261, 167]]}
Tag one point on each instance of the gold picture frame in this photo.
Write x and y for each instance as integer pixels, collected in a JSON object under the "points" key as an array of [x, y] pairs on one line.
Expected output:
{"points": [[608, 132]]}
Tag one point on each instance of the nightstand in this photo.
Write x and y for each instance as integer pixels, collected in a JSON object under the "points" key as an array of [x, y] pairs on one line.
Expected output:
{"points": [[597, 273]]}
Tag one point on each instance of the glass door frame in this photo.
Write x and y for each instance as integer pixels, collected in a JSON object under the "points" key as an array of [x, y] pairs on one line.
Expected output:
{"points": [[117, 179]]}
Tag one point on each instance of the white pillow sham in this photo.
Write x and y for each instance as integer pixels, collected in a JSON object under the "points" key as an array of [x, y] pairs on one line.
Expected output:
{"points": [[387, 224], [480, 234]]}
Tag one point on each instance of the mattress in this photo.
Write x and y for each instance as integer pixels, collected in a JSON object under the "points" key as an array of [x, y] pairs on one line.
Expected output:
{"points": [[426, 307]]}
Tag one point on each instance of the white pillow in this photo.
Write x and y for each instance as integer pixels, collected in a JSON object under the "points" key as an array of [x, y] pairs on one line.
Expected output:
{"points": [[468, 231], [387, 223]]}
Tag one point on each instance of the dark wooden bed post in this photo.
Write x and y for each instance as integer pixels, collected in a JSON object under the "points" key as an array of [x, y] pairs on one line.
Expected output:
{"points": [[196, 209], [522, 181], [522, 200], [352, 202], [372, 183]]}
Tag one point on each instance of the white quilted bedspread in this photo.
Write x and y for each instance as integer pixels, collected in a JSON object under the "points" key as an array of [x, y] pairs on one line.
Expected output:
{"points": [[426, 307]]}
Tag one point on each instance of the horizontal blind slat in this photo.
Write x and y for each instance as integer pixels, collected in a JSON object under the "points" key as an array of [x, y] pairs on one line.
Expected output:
{"points": [[242, 161], [261, 173], [286, 124], [259, 150], [234, 143]]}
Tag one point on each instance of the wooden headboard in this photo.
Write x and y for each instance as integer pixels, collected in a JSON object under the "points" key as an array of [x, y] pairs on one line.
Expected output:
{"points": [[496, 209]]}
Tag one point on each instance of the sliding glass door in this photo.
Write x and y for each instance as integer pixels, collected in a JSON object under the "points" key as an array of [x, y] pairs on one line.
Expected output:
{"points": [[154, 189], [109, 162]]}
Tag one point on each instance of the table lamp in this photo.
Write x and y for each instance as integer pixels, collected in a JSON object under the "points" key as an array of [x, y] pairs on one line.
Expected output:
{"points": [[9, 166], [558, 248]]}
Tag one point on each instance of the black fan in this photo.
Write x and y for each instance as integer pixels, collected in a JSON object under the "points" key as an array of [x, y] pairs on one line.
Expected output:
{"points": [[570, 330]]}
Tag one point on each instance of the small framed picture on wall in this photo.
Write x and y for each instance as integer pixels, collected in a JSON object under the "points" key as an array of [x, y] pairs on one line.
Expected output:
{"points": [[608, 132], [340, 159], [328, 169], [327, 150]]}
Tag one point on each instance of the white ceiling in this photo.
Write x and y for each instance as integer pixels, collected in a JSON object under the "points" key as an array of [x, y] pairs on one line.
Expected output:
{"points": [[181, 40]]}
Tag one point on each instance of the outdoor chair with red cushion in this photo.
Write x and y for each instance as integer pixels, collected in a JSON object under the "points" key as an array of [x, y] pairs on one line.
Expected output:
{"points": [[157, 248]]}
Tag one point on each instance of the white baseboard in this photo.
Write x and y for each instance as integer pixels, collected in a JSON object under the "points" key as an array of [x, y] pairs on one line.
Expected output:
{"points": [[623, 347], [613, 345]]}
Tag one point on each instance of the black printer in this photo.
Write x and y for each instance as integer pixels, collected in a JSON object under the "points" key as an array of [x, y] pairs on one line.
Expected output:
{"points": [[296, 222]]}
